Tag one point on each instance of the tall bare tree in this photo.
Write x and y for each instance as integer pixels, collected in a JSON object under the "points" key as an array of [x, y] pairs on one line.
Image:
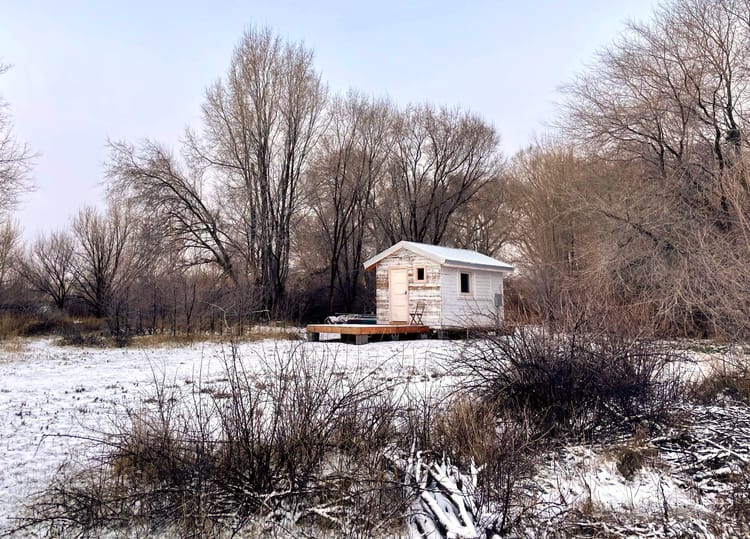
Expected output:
{"points": [[552, 234], [48, 266], [10, 242], [673, 94], [174, 199], [15, 161], [666, 108], [106, 260], [345, 176], [260, 125], [488, 221], [441, 159]]}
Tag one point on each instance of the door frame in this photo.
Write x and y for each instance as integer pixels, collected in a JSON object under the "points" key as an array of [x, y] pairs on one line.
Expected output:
{"points": [[391, 317]]}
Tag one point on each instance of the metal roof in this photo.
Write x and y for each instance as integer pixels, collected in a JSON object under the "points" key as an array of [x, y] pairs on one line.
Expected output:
{"points": [[444, 255]]}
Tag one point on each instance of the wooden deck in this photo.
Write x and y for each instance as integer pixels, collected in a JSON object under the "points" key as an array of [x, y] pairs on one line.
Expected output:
{"points": [[363, 332]]}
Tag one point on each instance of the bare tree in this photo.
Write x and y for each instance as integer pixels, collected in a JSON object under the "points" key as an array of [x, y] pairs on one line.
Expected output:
{"points": [[105, 259], [174, 200], [10, 241], [15, 161], [260, 124], [547, 187], [49, 266], [673, 94], [441, 159], [488, 221], [344, 178], [666, 110]]}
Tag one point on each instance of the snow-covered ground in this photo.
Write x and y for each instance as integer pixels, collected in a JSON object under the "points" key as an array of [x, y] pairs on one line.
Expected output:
{"points": [[52, 398]]}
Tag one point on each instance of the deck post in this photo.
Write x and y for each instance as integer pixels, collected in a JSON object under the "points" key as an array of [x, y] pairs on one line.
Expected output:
{"points": [[313, 337], [360, 339]]}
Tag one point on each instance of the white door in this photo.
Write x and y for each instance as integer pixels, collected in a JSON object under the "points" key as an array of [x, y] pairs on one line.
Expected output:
{"points": [[398, 284]]}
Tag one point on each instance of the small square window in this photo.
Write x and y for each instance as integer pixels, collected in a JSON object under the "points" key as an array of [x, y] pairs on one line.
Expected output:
{"points": [[465, 283], [420, 274]]}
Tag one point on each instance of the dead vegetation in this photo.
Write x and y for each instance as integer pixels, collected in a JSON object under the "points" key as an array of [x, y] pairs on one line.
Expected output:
{"points": [[729, 378], [580, 384], [284, 450], [294, 446], [302, 446]]}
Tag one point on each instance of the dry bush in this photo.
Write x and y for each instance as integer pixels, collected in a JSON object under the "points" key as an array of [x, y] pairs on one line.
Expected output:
{"points": [[291, 447], [466, 460], [299, 445], [634, 456], [30, 323], [740, 499], [581, 383], [732, 384], [730, 379], [85, 331], [469, 433], [12, 325]]}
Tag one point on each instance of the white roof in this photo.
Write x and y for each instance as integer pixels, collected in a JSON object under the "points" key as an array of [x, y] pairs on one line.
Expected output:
{"points": [[444, 255]]}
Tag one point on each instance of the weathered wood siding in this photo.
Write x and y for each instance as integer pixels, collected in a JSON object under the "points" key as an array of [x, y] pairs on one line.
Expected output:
{"points": [[476, 308], [427, 291]]}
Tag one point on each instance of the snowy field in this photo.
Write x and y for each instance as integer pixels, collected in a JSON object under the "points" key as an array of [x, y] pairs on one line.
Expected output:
{"points": [[54, 399]]}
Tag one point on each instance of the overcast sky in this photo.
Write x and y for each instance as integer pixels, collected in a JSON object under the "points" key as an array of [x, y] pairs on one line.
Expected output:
{"points": [[85, 71]]}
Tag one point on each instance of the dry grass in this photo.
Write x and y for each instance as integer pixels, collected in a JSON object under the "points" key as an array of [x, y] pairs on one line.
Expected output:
{"points": [[728, 378], [297, 446], [22, 325], [632, 458], [13, 346], [466, 432], [253, 335], [740, 497]]}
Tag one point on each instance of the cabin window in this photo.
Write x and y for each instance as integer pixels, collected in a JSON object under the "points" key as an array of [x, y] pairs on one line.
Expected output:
{"points": [[419, 274], [465, 283]]}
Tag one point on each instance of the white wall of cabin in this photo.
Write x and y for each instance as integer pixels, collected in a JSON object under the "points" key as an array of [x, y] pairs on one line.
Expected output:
{"points": [[476, 308]]}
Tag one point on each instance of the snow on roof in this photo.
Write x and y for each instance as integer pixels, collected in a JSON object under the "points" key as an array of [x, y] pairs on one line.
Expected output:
{"points": [[443, 255]]}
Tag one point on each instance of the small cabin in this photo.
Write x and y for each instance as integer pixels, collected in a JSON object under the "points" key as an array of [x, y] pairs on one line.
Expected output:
{"points": [[438, 286]]}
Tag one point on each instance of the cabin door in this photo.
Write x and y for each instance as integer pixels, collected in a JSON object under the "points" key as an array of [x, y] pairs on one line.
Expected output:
{"points": [[398, 284]]}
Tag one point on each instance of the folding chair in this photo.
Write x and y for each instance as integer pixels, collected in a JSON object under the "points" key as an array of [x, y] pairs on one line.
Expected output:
{"points": [[416, 314]]}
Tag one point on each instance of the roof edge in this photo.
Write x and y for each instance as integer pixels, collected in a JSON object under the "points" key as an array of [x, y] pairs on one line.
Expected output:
{"points": [[453, 264], [403, 244], [415, 248]]}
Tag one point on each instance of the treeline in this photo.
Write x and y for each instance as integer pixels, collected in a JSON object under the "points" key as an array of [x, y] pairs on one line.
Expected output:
{"points": [[646, 207], [637, 205]]}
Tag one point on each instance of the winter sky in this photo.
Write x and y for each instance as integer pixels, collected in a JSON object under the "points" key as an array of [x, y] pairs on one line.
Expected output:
{"points": [[85, 71]]}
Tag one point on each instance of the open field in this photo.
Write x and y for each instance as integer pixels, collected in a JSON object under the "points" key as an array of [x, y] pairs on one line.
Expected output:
{"points": [[52, 398], [55, 399]]}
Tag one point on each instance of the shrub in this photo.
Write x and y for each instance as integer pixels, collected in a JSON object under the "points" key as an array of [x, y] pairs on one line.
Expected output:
{"points": [[459, 445], [291, 446], [740, 498], [504, 449], [731, 378], [295, 444], [26, 325], [578, 383], [632, 458]]}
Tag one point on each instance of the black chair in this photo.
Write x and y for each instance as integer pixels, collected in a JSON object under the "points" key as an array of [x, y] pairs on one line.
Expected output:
{"points": [[416, 314]]}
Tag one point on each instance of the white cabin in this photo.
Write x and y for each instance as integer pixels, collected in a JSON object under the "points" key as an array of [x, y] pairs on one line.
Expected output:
{"points": [[456, 288]]}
